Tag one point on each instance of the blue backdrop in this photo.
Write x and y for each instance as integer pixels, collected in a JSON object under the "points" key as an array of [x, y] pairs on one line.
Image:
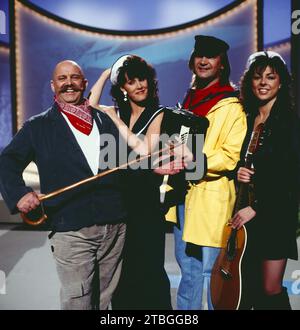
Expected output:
{"points": [[41, 43]]}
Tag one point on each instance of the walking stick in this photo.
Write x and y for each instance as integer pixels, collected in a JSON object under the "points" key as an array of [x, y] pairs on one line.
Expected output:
{"points": [[44, 216]]}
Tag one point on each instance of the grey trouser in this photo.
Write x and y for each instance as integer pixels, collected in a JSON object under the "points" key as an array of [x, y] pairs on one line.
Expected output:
{"points": [[88, 263]]}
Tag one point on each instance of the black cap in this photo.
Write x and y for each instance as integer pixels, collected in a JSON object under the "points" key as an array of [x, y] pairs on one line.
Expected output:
{"points": [[209, 46]]}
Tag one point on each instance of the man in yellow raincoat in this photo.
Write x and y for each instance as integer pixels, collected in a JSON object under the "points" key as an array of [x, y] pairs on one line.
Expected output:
{"points": [[209, 203]]}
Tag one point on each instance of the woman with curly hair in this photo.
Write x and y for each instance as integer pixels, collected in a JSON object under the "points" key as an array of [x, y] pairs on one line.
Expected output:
{"points": [[144, 283], [271, 219]]}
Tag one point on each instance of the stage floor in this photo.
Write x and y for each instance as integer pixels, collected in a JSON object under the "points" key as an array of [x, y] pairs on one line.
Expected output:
{"points": [[32, 282]]}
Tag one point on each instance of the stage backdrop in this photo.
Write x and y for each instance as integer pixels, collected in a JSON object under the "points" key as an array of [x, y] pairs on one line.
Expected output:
{"points": [[41, 40], [5, 98]]}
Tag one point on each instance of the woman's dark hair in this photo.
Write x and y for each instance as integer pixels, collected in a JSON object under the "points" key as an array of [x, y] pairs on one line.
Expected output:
{"points": [[135, 67], [225, 72], [259, 64]]}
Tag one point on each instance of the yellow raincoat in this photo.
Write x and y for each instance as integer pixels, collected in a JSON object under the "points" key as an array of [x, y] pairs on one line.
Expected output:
{"points": [[209, 204]]}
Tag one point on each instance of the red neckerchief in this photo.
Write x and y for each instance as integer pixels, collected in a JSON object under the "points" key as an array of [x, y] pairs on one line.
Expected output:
{"points": [[214, 94], [80, 116]]}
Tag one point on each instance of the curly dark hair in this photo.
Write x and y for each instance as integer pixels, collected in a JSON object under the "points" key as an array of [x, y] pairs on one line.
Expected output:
{"points": [[249, 100], [135, 67]]}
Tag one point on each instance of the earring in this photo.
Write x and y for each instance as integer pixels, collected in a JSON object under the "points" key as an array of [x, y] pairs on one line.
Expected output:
{"points": [[125, 96]]}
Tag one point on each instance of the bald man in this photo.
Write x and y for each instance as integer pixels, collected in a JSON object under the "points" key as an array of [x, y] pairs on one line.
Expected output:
{"points": [[88, 229]]}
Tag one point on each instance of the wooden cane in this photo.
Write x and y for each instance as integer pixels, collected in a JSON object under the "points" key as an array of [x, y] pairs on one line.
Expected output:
{"points": [[44, 216]]}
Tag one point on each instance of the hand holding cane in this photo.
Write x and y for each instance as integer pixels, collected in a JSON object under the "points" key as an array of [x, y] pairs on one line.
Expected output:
{"points": [[82, 182]]}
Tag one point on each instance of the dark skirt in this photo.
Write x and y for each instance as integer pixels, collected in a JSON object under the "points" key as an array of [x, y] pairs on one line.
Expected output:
{"points": [[144, 284], [275, 230]]}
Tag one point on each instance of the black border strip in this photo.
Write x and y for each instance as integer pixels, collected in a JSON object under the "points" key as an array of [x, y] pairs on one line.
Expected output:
{"points": [[260, 25], [132, 33], [295, 53], [13, 76]]}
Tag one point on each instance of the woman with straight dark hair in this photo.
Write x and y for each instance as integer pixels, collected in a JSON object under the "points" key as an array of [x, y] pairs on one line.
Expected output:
{"points": [[271, 219]]}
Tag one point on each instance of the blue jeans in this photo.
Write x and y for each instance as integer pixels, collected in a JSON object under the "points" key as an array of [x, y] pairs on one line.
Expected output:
{"points": [[195, 269]]}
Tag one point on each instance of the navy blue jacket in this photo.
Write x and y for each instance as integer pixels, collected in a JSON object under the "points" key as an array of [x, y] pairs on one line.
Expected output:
{"points": [[47, 140]]}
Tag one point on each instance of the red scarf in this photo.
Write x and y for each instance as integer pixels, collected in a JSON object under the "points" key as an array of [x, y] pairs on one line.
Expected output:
{"points": [[80, 116], [214, 94]]}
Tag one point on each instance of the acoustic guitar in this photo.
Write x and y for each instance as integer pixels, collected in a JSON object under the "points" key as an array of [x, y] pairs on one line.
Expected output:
{"points": [[226, 279]]}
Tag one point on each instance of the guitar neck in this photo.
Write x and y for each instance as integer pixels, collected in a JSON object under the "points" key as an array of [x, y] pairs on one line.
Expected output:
{"points": [[249, 161], [241, 198]]}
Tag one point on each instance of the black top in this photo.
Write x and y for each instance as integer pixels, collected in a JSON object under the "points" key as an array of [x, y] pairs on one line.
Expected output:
{"points": [[144, 283], [141, 184], [276, 183]]}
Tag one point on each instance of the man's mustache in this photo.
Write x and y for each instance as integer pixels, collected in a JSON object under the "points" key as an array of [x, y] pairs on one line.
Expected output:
{"points": [[65, 88]]}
